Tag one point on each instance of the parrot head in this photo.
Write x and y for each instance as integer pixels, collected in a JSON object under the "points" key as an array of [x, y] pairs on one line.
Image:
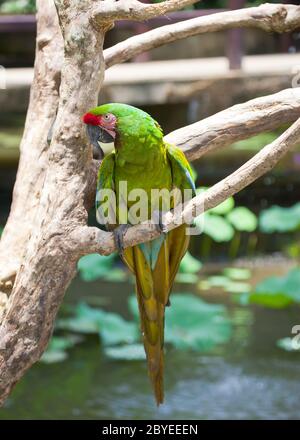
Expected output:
{"points": [[109, 123]]}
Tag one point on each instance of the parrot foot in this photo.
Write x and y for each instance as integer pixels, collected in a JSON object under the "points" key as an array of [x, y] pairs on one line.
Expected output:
{"points": [[160, 226], [119, 233]]}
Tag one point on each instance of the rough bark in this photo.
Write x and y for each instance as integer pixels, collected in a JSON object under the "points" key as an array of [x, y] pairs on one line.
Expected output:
{"points": [[112, 10], [34, 146]]}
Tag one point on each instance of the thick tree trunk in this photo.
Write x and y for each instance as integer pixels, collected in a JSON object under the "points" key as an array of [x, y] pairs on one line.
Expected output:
{"points": [[48, 265], [34, 147]]}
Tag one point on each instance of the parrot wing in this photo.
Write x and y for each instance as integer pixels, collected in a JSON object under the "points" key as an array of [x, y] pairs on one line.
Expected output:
{"points": [[105, 208], [182, 173], [182, 178]]}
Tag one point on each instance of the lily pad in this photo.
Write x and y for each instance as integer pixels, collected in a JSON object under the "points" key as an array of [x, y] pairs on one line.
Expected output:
{"points": [[277, 292], [94, 266], [194, 324], [288, 344], [115, 275], [56, 350], [112, 328], [224, 283], [133, 352], [52, 357], [188, 278], [242, 219], [189, 264], [224, 207], [279, 219], [237, 287], [85, 320], [218, 228], [218, 280], [237, 273]]}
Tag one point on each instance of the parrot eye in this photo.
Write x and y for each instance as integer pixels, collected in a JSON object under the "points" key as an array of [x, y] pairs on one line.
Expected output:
{"points": [[108, 117]]}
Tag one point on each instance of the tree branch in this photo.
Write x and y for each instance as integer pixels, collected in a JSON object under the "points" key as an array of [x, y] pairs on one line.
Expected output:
{"points": [[269, 17], [34, 147], [236, 123], [112, 10], [90, 239]]}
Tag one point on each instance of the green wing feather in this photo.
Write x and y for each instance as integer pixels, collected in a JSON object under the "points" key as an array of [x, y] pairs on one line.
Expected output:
{"points": [[105, 181], [181, 170]]}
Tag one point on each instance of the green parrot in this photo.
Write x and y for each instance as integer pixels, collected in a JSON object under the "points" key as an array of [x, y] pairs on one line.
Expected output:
{"points": [[144, 161]]}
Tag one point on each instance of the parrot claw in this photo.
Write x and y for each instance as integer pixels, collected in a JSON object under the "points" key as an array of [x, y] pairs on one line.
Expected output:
{"points": [[160, 226], [119, 233]]}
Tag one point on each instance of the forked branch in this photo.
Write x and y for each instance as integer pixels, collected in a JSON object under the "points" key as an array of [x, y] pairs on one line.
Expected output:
{"points": [[269, 17]]}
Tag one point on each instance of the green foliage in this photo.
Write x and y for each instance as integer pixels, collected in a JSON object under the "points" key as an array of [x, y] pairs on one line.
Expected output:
{"points": [[278, 219], [133, 352], [255, 143], [112, 328], [222, 222], [190, 324], [194, 324], [115, 330], [227, 281], [85, 320], [217, 227], [224, 207], [242, 219], [57, 348], [237, 273], [9, 140], [1, 230], [275, 292], [189, 264], [287, 344], [18, 7], [94, 266]]}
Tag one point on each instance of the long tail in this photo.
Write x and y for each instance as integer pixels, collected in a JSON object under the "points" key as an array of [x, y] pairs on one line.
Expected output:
{"points": [[155, 265]]}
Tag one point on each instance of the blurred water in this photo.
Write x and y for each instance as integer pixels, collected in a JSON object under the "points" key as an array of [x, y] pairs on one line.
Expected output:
{"points": [[248, 378], [197, 387]]}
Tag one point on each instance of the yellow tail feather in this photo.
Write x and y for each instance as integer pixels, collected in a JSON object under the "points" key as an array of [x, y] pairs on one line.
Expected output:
{"points": [[153, 288]]}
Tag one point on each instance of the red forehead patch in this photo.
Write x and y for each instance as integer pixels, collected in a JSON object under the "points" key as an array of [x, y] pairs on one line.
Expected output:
{"points": [[91, 119]]}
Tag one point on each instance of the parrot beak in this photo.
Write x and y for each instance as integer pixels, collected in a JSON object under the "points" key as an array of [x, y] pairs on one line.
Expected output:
{"points": [[98, 134]]}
